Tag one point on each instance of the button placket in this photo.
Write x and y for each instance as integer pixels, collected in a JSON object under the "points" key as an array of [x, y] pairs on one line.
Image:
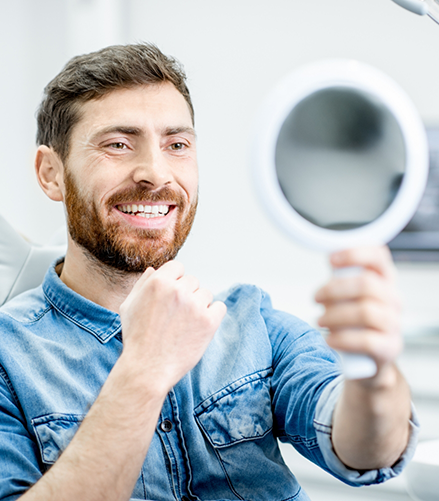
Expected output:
{"points": [[170, 434]]}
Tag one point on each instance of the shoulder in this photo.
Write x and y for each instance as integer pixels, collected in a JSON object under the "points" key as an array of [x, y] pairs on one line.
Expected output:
{"points": [[25, 308], [244, 293], [249, 300]]}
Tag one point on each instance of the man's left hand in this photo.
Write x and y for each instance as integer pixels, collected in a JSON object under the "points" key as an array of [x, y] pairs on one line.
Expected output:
{"points": [[362, 312]]}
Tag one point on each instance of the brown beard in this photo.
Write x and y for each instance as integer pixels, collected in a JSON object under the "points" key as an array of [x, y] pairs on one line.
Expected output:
{"points": [[130, 250]]}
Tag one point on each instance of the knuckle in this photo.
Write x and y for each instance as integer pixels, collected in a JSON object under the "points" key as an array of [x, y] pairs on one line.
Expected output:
{"points": [[369, 344], [365, 284], [366, 311]]}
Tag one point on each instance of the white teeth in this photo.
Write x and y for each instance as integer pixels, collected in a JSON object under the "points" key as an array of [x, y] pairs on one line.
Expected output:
{"points": [[145, 210]]}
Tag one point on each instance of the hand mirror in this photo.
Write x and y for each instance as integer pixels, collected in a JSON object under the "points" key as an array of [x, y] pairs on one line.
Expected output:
{"points": [[340, 160]]}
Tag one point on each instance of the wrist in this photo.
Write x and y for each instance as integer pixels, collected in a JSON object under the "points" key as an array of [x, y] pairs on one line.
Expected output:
{"points": [[141, 377], [386, 378]]}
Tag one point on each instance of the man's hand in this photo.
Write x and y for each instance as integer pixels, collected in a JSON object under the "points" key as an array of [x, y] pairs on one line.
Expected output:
{"points": [[371, 419], [167, 323], [362, 312]]}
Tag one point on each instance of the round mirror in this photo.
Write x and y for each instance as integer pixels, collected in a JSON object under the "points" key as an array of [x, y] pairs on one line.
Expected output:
{"points": [[340, 160], [340, 156]]}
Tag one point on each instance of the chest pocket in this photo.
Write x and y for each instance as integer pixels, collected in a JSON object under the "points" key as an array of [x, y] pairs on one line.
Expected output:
{"points": [[54, 432], [238, 413]]}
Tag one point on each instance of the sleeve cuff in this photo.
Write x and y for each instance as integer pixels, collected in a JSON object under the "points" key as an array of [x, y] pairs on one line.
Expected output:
{"points": [[323, 426]]}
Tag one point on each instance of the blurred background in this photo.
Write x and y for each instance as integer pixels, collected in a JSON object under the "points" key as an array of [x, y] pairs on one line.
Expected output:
{"points": [[234, 52]]}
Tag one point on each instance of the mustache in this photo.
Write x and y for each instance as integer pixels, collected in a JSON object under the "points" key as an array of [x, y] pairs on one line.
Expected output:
{"points": [[139, 193]]}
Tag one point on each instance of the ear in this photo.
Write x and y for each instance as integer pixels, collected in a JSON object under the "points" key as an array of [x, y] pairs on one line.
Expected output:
{"points": [[50, 173]]}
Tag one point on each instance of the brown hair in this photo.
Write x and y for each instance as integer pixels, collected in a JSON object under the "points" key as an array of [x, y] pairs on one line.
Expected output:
{"points": [[94, 75]]}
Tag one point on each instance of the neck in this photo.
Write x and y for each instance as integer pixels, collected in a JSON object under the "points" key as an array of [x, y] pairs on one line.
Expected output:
{"points": [[95, 281]]}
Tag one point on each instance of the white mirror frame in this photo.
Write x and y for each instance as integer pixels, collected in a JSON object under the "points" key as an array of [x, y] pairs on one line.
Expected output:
{"points": [[273, 113]]}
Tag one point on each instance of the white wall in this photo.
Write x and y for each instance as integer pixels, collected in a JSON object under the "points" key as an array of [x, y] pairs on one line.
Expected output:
{"points": [[234, 51]]}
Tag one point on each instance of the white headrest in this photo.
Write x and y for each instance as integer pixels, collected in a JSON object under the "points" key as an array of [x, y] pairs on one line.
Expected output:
{"points": [[22, 264]]}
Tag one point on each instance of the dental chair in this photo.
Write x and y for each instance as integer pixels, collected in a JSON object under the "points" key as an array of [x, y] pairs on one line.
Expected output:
{"points": [[22, 264]]}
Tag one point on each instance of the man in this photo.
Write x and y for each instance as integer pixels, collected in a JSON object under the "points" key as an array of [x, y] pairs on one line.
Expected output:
{"points": [[120, 377]]}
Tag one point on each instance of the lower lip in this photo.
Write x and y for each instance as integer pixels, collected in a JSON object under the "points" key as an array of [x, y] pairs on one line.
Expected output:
{"points": [[157, 222]]}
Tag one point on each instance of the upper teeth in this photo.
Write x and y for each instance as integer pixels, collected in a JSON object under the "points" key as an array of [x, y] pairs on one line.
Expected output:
{"points": [[145, 210]]}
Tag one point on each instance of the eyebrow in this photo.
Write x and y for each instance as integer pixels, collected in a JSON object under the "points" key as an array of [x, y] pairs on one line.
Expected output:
{"points": [[137, 131], [173, 131]]}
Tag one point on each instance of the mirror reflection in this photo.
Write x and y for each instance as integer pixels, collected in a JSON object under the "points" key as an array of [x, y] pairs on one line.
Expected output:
{"points": [[340, 158]]}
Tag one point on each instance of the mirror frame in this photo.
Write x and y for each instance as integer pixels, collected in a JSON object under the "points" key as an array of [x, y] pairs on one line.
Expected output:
{"points": [[300, 84]]}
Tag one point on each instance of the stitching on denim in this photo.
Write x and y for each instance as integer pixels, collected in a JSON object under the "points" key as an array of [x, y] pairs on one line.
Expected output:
{"points": [[322, 424], [295, 495], [143, 483], [200, 405], [167, 461], [29, 322], [226, 474], [58, 416], [84, 327], [177, 484], [4, 376], [244, 439], [297, 439]]}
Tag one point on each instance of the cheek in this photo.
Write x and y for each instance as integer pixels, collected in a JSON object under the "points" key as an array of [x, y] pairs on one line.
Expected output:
{"points": [[191, 184]]}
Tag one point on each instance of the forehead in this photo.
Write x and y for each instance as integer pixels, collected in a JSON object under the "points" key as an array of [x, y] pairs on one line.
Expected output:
{"points": [[159, 105]]}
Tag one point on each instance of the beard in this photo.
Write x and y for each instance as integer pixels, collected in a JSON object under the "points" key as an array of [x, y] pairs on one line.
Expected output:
{"points": [[125, 249]]}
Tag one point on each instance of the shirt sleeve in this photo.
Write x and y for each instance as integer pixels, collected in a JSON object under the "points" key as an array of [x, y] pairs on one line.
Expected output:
{"points": [[19, 466], [306, 383], [323, 425]]}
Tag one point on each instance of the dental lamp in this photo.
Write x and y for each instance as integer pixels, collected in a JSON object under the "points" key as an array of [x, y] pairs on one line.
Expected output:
{"points": [[421, 7]]}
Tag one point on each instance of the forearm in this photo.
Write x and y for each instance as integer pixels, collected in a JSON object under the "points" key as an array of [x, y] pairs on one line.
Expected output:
{"points": [[371, 421], [104, 459]]}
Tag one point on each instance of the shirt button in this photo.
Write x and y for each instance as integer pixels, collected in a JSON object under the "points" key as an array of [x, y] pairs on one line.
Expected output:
{"points": [[166, 425]]}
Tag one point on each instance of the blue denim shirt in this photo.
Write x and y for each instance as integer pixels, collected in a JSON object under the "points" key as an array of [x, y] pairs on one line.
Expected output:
{"points": [[265, 376]]}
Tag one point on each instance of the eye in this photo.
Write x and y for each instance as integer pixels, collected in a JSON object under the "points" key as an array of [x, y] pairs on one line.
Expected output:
{"points": [[117, 146], [177, 146]]}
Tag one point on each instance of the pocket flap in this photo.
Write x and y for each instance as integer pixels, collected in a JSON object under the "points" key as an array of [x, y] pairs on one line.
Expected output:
{"points": [[54, 433], [241, 412]]}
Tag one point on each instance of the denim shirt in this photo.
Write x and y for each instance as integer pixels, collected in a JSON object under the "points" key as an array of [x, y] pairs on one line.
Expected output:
{"points": [[265, 376]]}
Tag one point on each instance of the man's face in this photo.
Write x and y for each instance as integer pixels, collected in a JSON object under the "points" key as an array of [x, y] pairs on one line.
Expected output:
{"points": [[131, 177]]}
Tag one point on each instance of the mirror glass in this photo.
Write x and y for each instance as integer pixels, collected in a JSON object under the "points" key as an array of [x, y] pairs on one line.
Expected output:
{"points": [[340, 158]]}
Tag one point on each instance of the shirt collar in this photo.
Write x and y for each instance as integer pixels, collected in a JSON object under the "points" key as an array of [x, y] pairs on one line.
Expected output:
{"points": [[102, 323]]}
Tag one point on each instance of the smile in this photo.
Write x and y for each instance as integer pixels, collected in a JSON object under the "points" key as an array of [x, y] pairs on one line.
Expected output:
{"points": [[147, 211]]}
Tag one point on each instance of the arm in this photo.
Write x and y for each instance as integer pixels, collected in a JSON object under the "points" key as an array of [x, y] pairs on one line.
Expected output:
{"points": [[168, 322], [371, 419]]}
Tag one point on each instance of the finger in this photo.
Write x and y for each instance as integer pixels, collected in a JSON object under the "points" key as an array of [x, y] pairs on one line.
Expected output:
{"points": [[381, 347], [217, 310], [367, 285], [376, 258], [189, 283], [172, 270], [360, 314], [204, 297], [144, 277]]}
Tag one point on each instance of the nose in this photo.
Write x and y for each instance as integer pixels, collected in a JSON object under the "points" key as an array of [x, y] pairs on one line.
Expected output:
{"points": [[152, 167]]}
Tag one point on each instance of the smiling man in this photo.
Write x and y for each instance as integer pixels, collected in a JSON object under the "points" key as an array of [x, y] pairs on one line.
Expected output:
{"points": [[120, 377]]}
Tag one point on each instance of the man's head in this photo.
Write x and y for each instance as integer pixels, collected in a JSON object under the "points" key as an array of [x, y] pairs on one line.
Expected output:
{"points": [[117, 146], [94, 75]]}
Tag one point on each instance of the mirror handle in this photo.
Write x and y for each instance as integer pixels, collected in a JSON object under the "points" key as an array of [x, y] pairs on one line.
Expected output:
{"points": [[355, 365]]}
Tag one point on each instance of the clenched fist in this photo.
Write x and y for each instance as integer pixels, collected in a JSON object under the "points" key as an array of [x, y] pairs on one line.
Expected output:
{"points": [[167, 323]]}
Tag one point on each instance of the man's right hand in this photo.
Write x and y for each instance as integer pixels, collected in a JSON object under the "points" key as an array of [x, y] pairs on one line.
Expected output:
{"points": [[167, 323]]}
